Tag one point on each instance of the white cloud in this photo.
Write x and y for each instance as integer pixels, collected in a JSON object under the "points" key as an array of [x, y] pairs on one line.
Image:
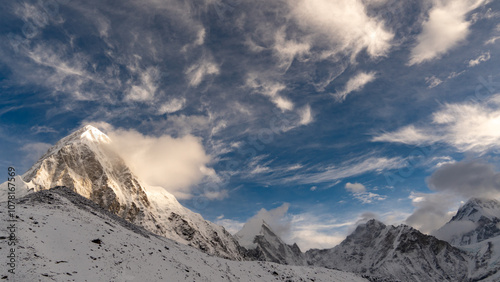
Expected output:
{"points": [[232, 226], [344, 170], [467, 179], [197, 72], [354, 84], [175, 164], [172, 106], [306, 116], [288, 50], [450, 230], [405, 135], [433, 81], [359, 192], [445, 28], [368, 197], [432, 211], [276, 218], [452, 183], [270, 89], [218, 194], [483, 58], [492, 40], [342, 26], [467, 127], [146, 88], [355, 187]]}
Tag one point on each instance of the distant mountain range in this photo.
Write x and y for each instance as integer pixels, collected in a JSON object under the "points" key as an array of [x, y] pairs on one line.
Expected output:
{"points": [[465, 249]]}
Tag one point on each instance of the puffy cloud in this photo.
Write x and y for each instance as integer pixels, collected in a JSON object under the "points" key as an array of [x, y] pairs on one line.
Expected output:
{"points": [[467, 127], [431, 211], [355, 187], [354, 84], [445, 28], [276, 218], [175, 164], [467, 179], [453, 182]]}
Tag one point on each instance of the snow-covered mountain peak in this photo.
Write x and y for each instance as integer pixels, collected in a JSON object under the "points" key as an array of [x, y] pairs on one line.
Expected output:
{"points": [[93, 134], [84, 162], [248, 233], [476, 221], [475, 208], [86, 134], [371, 227]]}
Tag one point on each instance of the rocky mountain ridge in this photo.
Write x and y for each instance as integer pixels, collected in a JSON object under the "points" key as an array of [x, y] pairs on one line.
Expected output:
{"points": [[84, 162]]}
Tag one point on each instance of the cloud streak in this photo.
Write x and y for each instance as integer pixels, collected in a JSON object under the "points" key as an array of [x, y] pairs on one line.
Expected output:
{"points": [[347, 169], [469, 126], [355, 84]]}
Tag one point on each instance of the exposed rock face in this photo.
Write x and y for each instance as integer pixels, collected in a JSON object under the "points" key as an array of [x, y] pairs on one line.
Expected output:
{"points": [[395, 253], [84, 162]]}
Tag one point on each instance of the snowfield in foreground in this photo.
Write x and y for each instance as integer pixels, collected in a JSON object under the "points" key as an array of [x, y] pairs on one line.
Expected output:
{"points": [[64, 237]]}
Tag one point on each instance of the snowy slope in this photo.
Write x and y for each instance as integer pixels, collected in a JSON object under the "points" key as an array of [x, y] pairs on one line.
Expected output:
{"points": [[485, 265], [65, 237], [267, 246], [476, 221], [84, 162], [396, 253], [475, 229]]}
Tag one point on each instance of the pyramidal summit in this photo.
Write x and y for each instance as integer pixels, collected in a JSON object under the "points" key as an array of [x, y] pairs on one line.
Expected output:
{"points": [[84, 162]]}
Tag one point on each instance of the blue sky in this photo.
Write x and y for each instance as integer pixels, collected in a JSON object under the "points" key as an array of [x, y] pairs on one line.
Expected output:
{"points": [[314, 115]]}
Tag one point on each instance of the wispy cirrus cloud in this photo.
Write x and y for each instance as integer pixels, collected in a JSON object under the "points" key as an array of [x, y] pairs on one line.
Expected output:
{"points": [[471, 126], [482, 58], [197, 72], [354, 84], [347, 169]]}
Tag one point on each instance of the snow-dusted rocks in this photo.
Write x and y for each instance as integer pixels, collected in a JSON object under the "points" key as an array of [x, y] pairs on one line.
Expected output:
{"points": [[475, 229], [65, 237], [476, 221], [84, 162], [395, 253]]}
